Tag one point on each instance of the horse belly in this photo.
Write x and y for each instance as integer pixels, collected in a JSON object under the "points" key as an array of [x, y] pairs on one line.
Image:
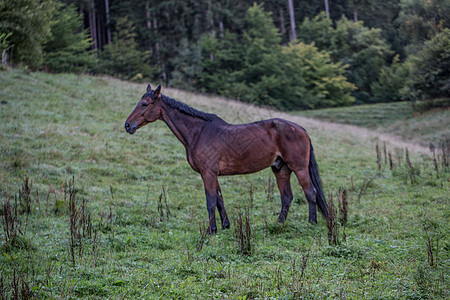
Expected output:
{"points": [[247, 156]]}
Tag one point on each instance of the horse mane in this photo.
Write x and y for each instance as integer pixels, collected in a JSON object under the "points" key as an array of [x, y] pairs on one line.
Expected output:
{"points": [[186, 109]]}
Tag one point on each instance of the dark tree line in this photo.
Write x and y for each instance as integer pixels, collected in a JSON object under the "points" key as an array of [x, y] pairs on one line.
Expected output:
{"points": [[288, 53]]}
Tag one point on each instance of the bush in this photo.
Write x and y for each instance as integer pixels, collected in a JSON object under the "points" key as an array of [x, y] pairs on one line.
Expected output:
{"points": [[301, 77], [361, 48], [253, 67], [393, 82], [29, 22], [68, 48], [122, 58], [430, 68]]}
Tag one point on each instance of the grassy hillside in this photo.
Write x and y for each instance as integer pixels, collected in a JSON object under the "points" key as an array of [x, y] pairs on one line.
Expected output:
{"points": [[131, 223], [397, 118]]}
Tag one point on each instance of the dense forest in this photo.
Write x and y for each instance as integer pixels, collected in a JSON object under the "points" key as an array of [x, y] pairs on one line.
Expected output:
{"points": [[290, 54]]}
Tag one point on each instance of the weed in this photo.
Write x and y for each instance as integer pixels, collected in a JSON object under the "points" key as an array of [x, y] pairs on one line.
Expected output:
{"points": [[18, 288], [25, 197], [332, 225], [80, 222], [243, 232], [269, 189], [278, 275], [367, 182], [445, 147], [250, 194], [161, 207], [203, 235], [298, 275], [413, 172], [391, 162], [10, 221], [377, 149], [343, 210], [432, 244], [435, 161], [15, 214]]}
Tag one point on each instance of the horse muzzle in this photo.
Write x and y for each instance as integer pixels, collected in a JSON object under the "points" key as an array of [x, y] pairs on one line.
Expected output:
{"points": [[129, 128]]}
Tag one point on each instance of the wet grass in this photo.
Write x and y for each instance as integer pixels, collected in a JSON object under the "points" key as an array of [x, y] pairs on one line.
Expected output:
{"points": [[147, 211]]}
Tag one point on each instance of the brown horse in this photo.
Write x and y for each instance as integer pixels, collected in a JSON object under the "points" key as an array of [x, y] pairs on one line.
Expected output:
{"points": [[215, 148]]}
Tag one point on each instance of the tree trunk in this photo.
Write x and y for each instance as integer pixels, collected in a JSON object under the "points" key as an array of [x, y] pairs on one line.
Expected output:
{"points": [[327, 8], [100, 38], [4, 58], [93, 24], [282, 25], [108, 29], [292, 33], [147, 15], [221, 28], [209, 20], [355, 14]]}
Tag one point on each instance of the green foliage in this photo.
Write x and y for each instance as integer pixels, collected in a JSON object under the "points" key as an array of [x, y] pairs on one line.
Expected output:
{"points": [[430, 68], [253, 67], [68, 48], [188, 66], [234, 63], [122, 58], [4, 47], [29, 21], [393, 82], [420, 20], [319, 31], [4, 43], [365, 52], [353, 44], [301, 77]]}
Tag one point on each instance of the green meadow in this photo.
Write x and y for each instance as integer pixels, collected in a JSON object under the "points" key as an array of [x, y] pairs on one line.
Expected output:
{"points": [[89, 211]]}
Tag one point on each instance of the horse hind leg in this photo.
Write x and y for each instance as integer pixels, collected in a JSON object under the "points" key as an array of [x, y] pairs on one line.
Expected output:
{"points": [[222, 211], [310, 192], [283, 176]]}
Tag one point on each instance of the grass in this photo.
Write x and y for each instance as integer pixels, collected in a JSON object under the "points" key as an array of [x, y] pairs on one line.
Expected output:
{"points": [[65, 133], [396, 118]]}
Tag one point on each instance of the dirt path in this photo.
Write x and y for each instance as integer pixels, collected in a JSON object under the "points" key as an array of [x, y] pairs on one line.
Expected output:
{"points": [[238, 112]]}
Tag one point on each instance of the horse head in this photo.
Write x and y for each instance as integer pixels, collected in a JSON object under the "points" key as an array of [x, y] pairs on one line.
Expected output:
{"points": [[146, 111]]}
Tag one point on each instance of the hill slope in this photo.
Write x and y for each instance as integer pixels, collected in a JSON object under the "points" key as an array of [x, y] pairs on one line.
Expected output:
{"points": [[398, 119], [139, 230]]}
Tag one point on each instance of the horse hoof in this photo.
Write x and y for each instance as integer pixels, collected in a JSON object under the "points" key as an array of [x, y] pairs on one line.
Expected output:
{"points": [[281, 219]]}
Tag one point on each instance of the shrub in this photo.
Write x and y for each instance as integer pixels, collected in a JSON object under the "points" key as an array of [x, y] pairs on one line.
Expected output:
{"points": [[393, 82], [68, 48], [29, 22], [122, 57], [253, 67], [430, 68], [301, 77]]}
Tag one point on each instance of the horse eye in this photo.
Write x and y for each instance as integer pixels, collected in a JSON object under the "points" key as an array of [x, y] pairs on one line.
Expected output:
{"points": [[144, 103]]}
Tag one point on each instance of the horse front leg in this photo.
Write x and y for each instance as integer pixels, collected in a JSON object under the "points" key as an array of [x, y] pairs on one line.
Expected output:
{"points": [[214, 199]]}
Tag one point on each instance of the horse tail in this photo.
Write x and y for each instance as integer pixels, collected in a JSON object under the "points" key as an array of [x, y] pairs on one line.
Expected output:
{"points": [[316, 182]]}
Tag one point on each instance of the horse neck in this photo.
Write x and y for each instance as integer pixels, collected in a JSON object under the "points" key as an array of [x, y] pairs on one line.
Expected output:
{"points": [[185, 127]]}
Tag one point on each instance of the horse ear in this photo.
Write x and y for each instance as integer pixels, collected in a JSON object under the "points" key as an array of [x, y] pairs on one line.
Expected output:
{"points": [[149, 89], [158, 91]]}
